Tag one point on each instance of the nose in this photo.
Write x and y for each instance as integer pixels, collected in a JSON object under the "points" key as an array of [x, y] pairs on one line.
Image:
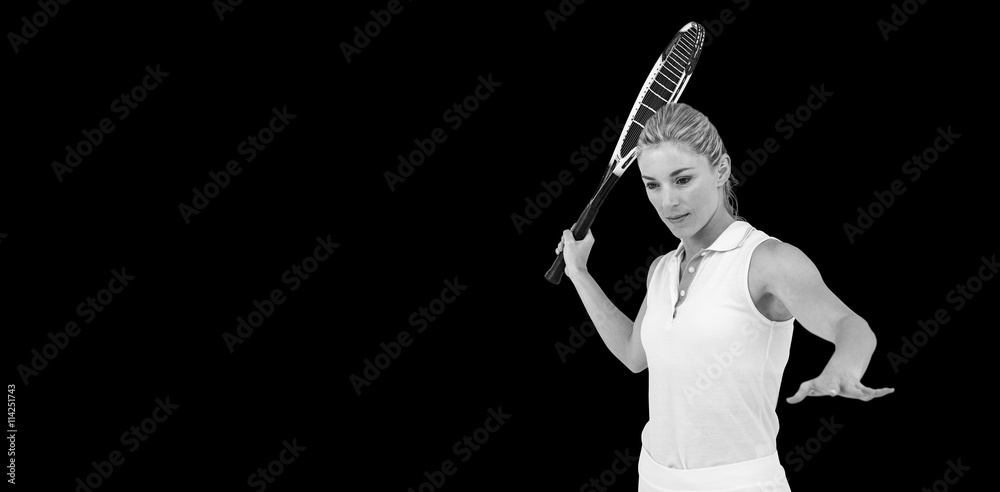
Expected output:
{"points": [[668, 200]]}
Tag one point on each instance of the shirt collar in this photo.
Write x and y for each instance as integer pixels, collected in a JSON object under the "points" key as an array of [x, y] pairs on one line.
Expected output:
{"points": [[731, 238]]}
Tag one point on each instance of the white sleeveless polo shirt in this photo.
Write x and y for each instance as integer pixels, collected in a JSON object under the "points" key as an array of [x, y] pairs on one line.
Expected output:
{"points": [[715, 365]]}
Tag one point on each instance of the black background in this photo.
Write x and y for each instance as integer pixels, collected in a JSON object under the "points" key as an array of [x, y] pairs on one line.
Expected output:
{"points": [[323, 176]]}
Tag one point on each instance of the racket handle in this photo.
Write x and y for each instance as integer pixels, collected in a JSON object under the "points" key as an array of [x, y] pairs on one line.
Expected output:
{"points": [[579, 230], [555, 273]]}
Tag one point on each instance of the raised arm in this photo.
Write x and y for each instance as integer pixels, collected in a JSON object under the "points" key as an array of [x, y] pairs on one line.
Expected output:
{"points": [[619, 333]]}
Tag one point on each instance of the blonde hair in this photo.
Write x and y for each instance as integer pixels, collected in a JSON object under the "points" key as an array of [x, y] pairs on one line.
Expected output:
{"points": [[682, 124]]}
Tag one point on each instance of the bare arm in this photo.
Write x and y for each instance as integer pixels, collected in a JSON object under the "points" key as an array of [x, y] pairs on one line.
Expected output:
{"points": [[619, 333], [794, 279]]}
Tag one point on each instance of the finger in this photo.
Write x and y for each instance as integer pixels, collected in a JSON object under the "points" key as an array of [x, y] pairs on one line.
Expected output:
{"points": [[855, 392], [866, 391], [802, 393], [816, 391], [881, 392], [824, 389]]}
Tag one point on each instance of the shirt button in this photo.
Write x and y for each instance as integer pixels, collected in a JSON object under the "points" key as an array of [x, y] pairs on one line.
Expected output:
{"points": [[702, 253], [690, 269], [682, 293]]}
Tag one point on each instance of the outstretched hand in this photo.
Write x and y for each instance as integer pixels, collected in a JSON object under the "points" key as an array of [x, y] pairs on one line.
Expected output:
{"points": [[837, 383]]}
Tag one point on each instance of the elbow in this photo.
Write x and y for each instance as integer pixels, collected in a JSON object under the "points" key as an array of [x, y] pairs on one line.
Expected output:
{"points": [[636, 366], [852, 325], [867, 333], [635, 358], [858, 330]]}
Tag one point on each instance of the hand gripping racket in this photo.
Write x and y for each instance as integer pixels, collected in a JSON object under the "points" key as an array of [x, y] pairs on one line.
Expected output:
{"points": [[664, 83]]}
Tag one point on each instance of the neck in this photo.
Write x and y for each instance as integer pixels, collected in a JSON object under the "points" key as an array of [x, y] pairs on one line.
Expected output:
{"points": [[708, 234]]}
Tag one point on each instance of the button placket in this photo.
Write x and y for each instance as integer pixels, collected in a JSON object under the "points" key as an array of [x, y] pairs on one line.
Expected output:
{"points": [[691, 269]]}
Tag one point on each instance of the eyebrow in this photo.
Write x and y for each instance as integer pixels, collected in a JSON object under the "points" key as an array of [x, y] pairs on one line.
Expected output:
{"points": [[675, 173]]}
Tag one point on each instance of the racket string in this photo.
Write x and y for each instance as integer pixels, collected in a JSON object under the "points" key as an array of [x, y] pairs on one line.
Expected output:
{"points": [[669, 75]]}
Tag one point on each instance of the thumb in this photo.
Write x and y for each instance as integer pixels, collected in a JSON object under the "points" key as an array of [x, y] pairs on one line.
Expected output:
{"points": [[801, 393]]}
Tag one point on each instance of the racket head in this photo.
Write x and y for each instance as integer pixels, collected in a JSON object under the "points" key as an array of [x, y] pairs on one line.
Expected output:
{"points": [[665, 83]]}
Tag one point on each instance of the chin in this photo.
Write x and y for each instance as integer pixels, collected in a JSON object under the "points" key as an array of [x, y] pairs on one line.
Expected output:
{"points": [[676, 228], [688, 228]]}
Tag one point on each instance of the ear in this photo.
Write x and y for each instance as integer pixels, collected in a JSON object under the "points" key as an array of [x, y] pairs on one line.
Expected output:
{"points": [[724, 169]]}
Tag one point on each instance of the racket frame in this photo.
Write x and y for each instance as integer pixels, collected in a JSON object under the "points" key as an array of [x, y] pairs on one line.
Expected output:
{"points": [[619, 163]]}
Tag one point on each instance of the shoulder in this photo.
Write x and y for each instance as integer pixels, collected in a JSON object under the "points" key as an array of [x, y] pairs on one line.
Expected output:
{"points": [[778, 253], [775, 261], [652, 268]]}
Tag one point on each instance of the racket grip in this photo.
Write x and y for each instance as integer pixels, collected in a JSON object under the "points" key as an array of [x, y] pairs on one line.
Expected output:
{"points": [[555, 273], [579, 230]]}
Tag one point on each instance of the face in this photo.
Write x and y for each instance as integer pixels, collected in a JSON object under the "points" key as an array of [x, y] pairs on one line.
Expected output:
{"points": [[681, 183]]}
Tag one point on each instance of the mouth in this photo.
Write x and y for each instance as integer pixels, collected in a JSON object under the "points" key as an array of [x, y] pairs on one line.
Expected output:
{"points": [[678, 218]]}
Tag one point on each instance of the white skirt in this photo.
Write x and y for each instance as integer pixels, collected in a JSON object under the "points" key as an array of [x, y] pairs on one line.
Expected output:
{"points": [[759, 475]]}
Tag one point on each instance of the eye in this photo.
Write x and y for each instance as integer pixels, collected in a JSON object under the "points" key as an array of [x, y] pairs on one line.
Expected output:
{"points": [[651, 185], [687, 178]]}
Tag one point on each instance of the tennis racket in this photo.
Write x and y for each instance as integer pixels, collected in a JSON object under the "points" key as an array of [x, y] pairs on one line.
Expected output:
{"points": [[664, 84]]}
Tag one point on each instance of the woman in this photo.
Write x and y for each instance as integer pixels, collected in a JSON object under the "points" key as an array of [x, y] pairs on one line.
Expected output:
{"points": [[716, 324]]}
